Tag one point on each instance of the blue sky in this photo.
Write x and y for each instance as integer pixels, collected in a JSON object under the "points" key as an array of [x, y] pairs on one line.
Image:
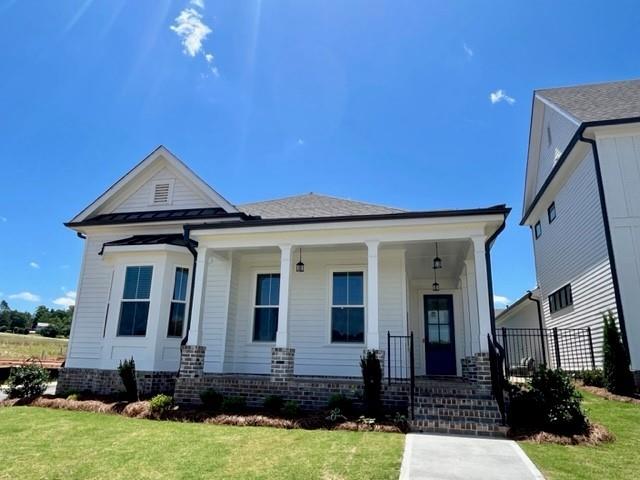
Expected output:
{"points": [[388, 102]]}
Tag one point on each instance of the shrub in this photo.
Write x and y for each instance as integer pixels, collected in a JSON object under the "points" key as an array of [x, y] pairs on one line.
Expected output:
{"points": [[341, 402], [49, 331], [594, 378], [28, 380], [550, 402], [127, 371], [273, 403], [617, 376], [291, 409], [73, 396], [160, 404], [234, 405], [372, 378], [211, 398]]}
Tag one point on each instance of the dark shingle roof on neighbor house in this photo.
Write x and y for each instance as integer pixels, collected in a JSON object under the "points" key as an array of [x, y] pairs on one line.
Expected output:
{"points": [[312, 205], [597, 102]]}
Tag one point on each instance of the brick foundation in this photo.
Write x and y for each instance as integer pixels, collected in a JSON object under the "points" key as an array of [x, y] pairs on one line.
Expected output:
{"points": [[477, 370], [311, 393], [106, 382], [282, 362], [192, 361], [636, 377]]}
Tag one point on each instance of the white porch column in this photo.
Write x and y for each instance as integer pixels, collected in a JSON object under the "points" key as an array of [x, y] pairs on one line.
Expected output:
{"points": [[472, 292], [195, 330], [373, 334], [282, 334], [482, 285]]}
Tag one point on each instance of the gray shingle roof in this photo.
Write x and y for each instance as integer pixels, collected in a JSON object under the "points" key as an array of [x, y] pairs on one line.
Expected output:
{"points": [[313, 205], [602, 101]]}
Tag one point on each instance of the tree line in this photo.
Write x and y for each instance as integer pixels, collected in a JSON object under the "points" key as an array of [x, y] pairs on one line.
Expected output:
{"points": [[58, 320]]}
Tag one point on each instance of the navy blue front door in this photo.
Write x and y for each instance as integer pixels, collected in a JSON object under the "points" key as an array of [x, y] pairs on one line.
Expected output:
{"points": [[439, 340]]}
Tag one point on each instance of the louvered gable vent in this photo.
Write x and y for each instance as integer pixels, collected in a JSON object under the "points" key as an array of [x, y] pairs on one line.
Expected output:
{"points": [[161, 193]]}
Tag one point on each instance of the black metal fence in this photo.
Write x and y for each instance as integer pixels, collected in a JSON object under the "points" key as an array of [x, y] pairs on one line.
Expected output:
{"points": [[400, 363], [498, 382], [525, 349]]}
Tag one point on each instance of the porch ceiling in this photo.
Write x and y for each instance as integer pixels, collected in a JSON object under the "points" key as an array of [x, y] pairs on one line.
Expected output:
{"points": [[420, 256]]}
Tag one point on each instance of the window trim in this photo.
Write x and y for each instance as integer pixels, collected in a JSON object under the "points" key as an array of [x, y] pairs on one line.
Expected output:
{"points": [[537, 230], [138, 300], [554, 299], [254, 291], [185, 301], [344, 269], [552, 208]]}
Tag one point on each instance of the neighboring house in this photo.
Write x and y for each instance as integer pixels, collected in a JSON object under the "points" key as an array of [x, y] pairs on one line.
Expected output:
{"points": [[524, 313], [281, 296], [582, 203]]}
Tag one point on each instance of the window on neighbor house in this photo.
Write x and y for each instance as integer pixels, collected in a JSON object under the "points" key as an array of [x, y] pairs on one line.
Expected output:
{"points": [[538, 230], [551, 212], [134, 308], [265, 316], [347, 307], [560, 299], [178, 307]]}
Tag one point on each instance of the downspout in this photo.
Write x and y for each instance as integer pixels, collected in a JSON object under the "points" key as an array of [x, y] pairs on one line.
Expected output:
{"points": [[540, 325], [487, 255], [194, 252], [607, 234]]}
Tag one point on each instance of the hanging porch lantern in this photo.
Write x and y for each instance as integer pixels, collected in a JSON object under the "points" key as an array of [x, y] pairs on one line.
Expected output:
{"points": [[437, 261], [300, 265]]}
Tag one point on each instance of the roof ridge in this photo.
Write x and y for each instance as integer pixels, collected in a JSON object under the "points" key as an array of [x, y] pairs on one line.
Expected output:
{"points": [[316, 194], [582, 85]]}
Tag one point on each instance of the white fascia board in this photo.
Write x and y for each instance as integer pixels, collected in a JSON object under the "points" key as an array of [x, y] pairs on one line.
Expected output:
{"points": [[558, 109], [164, 248], [612, 131]]}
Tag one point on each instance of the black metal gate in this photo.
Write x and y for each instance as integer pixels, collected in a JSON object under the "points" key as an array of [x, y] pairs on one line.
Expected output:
{"points": [[400, 364]]}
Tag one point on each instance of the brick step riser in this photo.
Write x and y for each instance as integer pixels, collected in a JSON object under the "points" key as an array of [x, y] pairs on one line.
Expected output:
{"points": [[459, 430], [485, 405], [457, 413]]}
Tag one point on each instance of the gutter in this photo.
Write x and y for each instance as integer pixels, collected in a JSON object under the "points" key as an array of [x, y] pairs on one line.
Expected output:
{"points": [[607, 234], [487, 255], [194, 252], [540, 324]]}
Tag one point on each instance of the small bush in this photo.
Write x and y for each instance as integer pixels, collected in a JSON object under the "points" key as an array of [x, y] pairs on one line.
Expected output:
{"points": [[593, 378], [341, 402], [273, 403], [617, 376], [127, 371], [372, 378], [73, 396], [291, 409], [160, 405], [211, 399], [49, 331], [234, 405], [26, 381], [550, 403]]}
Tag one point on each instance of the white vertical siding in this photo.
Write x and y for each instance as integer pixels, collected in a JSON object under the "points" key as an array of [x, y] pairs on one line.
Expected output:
{"points": [[573, 250], [620, 165], [215, 312], [184, 196]]}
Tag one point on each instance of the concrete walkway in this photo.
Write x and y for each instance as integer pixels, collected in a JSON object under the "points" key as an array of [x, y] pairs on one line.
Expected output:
{"points": [[446, 457]]}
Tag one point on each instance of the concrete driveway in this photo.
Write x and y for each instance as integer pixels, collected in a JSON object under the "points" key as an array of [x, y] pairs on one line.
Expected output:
{"points": [[51, 390], [446, 457]]}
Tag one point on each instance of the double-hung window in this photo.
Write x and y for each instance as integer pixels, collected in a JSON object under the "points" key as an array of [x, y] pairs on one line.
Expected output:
{"points": [[134, 308], [265, 311], [347, 307], [178, 303], [538, 229]]}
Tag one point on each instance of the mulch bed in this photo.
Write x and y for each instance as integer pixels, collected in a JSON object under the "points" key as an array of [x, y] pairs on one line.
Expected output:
{"points": [[604, 393], [597, 434], [308, 421]]}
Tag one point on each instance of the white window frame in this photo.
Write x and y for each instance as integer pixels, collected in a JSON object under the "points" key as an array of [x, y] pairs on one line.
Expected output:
{"points": [[152, 195], [344, 269], [122, 299], [185, 301], [254, 291]]}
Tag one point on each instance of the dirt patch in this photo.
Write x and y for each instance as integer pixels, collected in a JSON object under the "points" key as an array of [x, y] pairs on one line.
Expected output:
{"points": [[596, 435], [604, 393]]}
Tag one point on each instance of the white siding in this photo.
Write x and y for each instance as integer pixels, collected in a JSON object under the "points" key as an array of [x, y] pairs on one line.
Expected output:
{"points": [[620, 164], [562, 129], [184, 195], [573, 250], [215, 314]]}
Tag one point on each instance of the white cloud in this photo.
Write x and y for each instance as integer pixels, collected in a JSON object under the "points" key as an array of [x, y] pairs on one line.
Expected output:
{"points": [[68, 300], [197, 3], [467, 50], [34, 265], [26, 296], [501, 300], [191, 29], [209, 57], [500, 95], [3, 219]]}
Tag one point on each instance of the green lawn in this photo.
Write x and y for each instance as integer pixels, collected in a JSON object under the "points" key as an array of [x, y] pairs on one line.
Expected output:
{"points": [[43, 443], [616, 460], [26, 346]]}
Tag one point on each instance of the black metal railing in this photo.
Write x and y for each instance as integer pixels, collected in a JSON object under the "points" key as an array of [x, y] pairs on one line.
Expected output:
{"points": [[401, 364], [498, 381], [525, 349]]}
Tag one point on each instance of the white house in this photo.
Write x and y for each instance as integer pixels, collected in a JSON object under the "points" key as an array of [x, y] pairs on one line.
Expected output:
{"points": [[272, 294], [582, 202]]}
